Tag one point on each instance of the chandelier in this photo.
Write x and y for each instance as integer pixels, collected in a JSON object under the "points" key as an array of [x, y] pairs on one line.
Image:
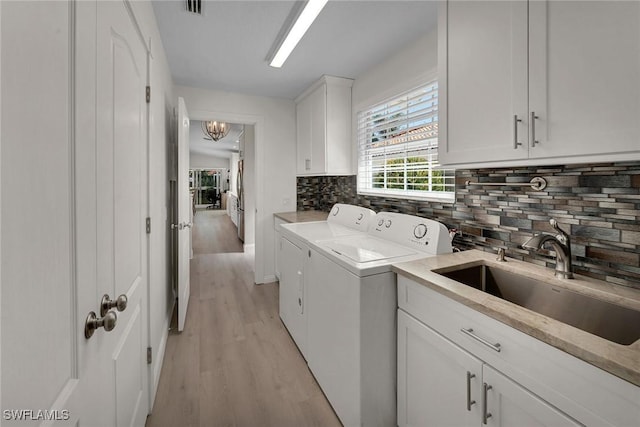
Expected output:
{"points": [[215, 130]]}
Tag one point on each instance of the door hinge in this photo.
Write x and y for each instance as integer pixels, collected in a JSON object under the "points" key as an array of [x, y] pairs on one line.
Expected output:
{"points": [[148, 93], [148, 355], [148, 222]]}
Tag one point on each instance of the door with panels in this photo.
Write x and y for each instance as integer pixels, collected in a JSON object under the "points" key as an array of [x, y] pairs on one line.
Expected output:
{"points": [[482, 68], [584, 78], [439, 384], [86, 92]]}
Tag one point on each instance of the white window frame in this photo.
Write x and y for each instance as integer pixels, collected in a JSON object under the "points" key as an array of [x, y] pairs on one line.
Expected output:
{"points": [[401, 142]]}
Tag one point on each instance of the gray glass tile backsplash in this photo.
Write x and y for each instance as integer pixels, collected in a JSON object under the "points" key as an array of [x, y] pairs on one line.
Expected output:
{"points": [[599, 204]]}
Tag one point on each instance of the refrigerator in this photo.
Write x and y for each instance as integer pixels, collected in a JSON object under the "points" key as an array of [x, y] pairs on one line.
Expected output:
{"points": [[240, 210]]}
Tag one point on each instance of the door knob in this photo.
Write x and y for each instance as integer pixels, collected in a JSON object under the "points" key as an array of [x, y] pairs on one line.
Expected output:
{"points": [[107, 304], [178, 226], [108, 322]]}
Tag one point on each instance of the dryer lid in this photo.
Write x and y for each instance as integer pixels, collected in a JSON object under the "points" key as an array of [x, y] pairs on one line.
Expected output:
{"points": [[362, 249]]}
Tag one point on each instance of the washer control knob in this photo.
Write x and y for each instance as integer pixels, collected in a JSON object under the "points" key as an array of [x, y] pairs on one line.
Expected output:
{"points": [[420, 231], [335, 210], [360, 216], [381, 222], [388, 224]]}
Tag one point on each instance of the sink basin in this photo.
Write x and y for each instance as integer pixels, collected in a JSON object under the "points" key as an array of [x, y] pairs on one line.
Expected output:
{"points": [[607, 320]]}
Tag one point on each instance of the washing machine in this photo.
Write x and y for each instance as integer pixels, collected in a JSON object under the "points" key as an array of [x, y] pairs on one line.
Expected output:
{"points": [[351, 313]]}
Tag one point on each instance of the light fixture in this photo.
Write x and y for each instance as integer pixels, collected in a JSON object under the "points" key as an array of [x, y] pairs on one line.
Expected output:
{"points": [[215, 130], [309, 14]]}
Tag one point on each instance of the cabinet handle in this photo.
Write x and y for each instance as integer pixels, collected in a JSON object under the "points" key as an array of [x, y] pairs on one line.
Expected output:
{"points": [[533, 129], [469, 401], [485, 415], [516, 120], [495, 347]]}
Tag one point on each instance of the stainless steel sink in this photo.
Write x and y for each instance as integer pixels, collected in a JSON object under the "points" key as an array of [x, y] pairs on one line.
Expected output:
{"points": [[602, 318]]}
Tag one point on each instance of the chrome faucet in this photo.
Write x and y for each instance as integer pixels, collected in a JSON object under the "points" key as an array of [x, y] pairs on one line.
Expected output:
{"points": [[561, 244]]}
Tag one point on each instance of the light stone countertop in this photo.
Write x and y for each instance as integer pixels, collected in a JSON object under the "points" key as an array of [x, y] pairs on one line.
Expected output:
{"points": [[302, 216], [617, 359]]}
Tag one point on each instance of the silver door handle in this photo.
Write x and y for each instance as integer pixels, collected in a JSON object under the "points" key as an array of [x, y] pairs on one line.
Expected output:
{"points": [[178, 226], [495, 347], [108, 322], [469, 401], [107, 304], [533, 129], [485, 415], [516, 120]]}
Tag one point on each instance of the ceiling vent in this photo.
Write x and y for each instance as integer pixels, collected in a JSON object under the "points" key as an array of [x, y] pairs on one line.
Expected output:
{"points": [[194, 6]]}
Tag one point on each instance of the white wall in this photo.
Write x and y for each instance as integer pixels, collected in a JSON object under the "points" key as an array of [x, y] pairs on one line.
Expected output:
{"points": [[162, 131], [275, 147], [403, 71], [203, 161]]}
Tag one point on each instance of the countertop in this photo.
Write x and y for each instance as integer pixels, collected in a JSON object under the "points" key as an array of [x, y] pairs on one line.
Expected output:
{"points": [[620, 360], [302, 216]]}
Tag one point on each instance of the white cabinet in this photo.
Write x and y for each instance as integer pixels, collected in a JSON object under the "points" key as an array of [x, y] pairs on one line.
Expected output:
{"points": [[509, 404], [323, 128], [538, 82], [291, 292], [232, 208], [432, 373], [442, 370]]}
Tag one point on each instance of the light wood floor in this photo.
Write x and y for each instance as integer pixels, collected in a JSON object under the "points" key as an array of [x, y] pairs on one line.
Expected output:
{"points": [[234, 364]]}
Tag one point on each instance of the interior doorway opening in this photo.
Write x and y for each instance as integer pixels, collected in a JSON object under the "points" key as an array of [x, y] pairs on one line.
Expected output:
{"points": [[208, 187]]}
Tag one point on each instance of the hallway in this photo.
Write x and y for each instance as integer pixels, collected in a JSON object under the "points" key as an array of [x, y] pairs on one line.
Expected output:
{"points": [[234, 364]]}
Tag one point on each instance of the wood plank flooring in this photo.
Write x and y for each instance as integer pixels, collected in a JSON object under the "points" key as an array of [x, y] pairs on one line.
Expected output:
{"points": [[234, 364]]}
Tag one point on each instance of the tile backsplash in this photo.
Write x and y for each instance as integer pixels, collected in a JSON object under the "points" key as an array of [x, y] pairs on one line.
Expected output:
{"points": [[598, 204]]}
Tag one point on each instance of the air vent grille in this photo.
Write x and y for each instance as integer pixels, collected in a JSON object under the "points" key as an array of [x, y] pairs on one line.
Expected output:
{"points": [[194, 6]]}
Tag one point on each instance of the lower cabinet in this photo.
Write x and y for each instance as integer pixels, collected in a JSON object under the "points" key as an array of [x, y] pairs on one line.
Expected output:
{"points": [[459, 367], [440, 384]]}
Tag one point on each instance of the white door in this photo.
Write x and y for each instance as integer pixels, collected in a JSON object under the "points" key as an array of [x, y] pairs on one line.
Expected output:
{"points": [[483, 55], [511, 405], [584, 71], [83, 83], [184, 214], [439, 384]]}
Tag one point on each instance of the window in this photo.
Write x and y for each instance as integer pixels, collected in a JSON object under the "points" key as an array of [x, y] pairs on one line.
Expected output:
{"points": [[398, 148]]}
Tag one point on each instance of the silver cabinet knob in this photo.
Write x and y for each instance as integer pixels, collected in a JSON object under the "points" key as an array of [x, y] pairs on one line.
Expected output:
{"points": [[107, 304], [108, 322]]}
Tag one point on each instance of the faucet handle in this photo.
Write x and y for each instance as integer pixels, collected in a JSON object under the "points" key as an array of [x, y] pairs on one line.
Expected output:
{"points": [[562, 235]]}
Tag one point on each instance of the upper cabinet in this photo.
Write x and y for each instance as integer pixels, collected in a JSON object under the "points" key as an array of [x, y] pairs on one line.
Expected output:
{"points": [[323, 118], [529, 83]]}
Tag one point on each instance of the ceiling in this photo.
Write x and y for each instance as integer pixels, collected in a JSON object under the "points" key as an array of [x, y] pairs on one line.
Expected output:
{"points": [[198, 143], [226, 48]]}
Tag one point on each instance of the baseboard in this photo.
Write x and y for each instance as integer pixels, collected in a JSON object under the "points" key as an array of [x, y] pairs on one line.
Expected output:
{"points": [[158, 357], [269, 279]]}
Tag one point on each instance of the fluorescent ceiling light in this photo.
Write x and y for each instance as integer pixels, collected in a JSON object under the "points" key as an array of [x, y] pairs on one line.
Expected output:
{"points": [[309, 14]]}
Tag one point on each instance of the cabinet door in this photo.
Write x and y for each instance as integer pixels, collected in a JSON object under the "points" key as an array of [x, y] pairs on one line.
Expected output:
{"points": [[303, 136], [483, 81], [318, 101], [585, 77], [432, 378], [509, 404], [292, 293]]}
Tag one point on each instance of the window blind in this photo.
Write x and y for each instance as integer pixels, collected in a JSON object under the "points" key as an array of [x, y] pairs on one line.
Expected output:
{"points": [[398, 148]]}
